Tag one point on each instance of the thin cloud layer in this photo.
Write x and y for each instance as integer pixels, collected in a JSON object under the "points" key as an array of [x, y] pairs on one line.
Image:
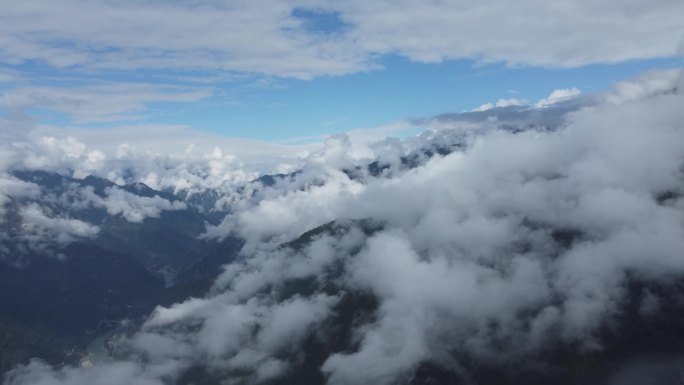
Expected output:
{"points": [[258, 36], [512, 243], [290, 39], [96, 103], [528, 32]]}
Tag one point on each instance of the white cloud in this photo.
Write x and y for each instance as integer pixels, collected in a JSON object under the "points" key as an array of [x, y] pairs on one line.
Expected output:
{"points": [[132, 207], [163, 157], [501, 103], [484, 107], [647, 84], [264, 37], [11, 187], [576, 33], [176, 141], [559, 95], [510, 102], [258, 36], [41, 229], [100, 102]]}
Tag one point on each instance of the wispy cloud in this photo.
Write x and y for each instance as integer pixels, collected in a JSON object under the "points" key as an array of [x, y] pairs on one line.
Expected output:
{"points": [[103, 102]]}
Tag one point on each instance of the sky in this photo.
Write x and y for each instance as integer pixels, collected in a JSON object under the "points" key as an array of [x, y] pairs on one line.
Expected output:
{"points": [[546, 189], [297, 71]]}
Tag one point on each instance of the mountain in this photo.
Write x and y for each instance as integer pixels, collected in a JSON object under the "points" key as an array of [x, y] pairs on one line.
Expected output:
{"points": [[526, 248], [142, 248], [57, 295], [634, 336]]}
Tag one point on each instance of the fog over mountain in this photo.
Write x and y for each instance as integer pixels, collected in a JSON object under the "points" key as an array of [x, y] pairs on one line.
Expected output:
{"points": [[531, 243]]}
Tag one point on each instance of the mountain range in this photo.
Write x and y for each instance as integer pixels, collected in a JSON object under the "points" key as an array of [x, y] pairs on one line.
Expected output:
{"points": [[521, 244]]}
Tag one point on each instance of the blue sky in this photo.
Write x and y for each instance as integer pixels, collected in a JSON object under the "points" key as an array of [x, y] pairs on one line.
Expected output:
{"points": [[278, 71], [402, 89]]}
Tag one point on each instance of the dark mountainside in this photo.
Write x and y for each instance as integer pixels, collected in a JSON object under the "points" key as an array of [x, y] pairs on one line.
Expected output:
{"points": [[52, 307], [55, 299], [639, 349]]}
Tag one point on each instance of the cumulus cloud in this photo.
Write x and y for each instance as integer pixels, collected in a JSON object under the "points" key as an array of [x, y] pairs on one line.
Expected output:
{"points": [[56, 154], [501, 103], [559, 95], [484, 107], [186, 160], [510, 102], [508, 242]]}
